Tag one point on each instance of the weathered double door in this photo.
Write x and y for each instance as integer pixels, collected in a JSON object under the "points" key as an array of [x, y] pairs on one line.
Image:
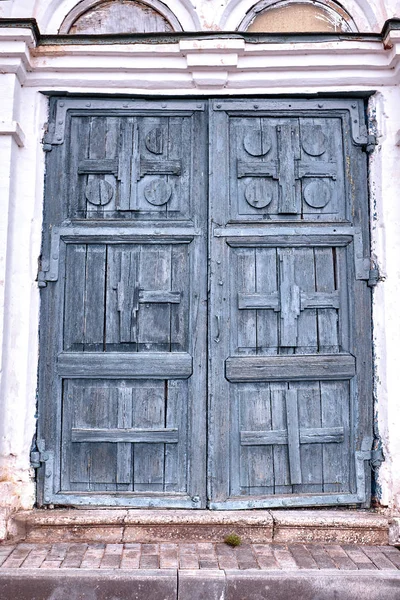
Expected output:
{"points": [[205, 329]]}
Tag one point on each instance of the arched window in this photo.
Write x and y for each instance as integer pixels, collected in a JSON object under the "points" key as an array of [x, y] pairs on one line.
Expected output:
{"points": [[288, 16], [120, 16]]}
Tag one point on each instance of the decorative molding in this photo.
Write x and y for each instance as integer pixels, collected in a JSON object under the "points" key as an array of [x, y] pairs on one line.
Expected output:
{"points": [[183, 62], [13, 129]]}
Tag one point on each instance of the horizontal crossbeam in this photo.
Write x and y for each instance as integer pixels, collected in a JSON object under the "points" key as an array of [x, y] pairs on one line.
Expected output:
{"points": [[164, 167], [271, 301], [98, 165], [159, 297], [322, 435], [127, 365], [294, 367], [142, 436]]}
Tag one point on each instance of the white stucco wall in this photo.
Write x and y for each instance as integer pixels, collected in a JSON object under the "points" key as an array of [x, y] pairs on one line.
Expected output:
{"points": [[197, 15], [208, 67]]}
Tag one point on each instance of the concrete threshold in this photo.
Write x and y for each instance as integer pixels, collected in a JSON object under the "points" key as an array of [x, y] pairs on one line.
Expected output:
{"points": [[152, 526], [34, 584]]}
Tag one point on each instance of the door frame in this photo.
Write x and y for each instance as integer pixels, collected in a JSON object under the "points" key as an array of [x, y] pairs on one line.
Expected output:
{"points": [[364, 452]]}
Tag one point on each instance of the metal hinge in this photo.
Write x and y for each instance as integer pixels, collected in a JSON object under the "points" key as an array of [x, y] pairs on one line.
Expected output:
{"points": [[39, 455], [377, 458], [49, 268], [373, 275], [371, 143]]}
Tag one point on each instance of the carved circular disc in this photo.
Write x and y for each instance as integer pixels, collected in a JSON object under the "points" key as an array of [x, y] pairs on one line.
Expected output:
{"points": [[154, 141], [257, 143], [313, 140], [259, 193], [317, 194], [158, 192], [99, 192]]}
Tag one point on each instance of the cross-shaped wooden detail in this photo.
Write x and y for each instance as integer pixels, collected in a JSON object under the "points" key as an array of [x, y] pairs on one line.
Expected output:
{"points": [[130, 296], [289, 300], [131, 167], [293, 436], [287, 168]]}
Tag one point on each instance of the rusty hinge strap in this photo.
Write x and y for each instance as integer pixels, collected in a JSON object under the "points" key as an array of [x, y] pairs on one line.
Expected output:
{"points": [[39, 455], [371, 143], [49, 270]]}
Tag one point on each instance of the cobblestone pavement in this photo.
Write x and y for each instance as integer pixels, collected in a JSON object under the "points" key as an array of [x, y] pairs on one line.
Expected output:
{"points": [[198, 556]]}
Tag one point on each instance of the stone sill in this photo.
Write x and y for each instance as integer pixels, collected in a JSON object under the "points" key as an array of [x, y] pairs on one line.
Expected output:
{"points": [[261, 526]]}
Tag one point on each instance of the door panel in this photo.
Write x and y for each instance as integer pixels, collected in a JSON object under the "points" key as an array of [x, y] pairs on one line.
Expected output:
{"points": [[290, 396], [123, 386]]}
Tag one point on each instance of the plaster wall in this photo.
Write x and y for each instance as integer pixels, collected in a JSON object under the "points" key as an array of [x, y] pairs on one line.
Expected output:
{"points": [[189, 67], [208, 15]]}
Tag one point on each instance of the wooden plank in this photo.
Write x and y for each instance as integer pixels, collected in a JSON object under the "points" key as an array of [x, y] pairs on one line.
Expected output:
{"points": [[325, 268], [290, 299], [293, 429], [113, 277], [74, 299], [154, 365], [262, 301], [304, 277], [164, 167], [309, 412], [335, 412], [257, 169], [256, 464], [319, 300], [128, 294], [322, 435], [290, 367], [154, 320], [307, 436], [280, 452], [103, 471], [97, 150], [95, 298], [180, 258], [263, 438], [78, 150], [266, 284], [149, 412], [157, 297], [76, 464], [176, 454], [124, 166], [101, 166], [244, 325], [144, 436], [124, 450], [288, 202]]}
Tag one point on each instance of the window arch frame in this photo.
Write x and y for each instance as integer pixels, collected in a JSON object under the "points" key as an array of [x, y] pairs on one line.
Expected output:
{"points": [[85, 5], [328, 5]]}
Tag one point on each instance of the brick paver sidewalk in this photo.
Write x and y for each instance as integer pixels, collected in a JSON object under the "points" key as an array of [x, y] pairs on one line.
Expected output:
{"points": [[198, 556]]}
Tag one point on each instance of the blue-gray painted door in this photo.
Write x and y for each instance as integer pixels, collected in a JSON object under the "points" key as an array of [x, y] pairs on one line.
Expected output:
{"points": [[123, 327], [290, 342], [135, 190]]}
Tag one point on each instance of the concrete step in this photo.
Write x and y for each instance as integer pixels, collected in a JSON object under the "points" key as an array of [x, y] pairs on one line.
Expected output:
{"points": [[149, 526], [198, 585], [198, 571]]}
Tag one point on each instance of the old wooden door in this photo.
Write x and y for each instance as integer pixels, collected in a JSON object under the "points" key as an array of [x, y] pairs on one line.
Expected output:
{"points": [[123, 343], [124, 416], [290, 360]]}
